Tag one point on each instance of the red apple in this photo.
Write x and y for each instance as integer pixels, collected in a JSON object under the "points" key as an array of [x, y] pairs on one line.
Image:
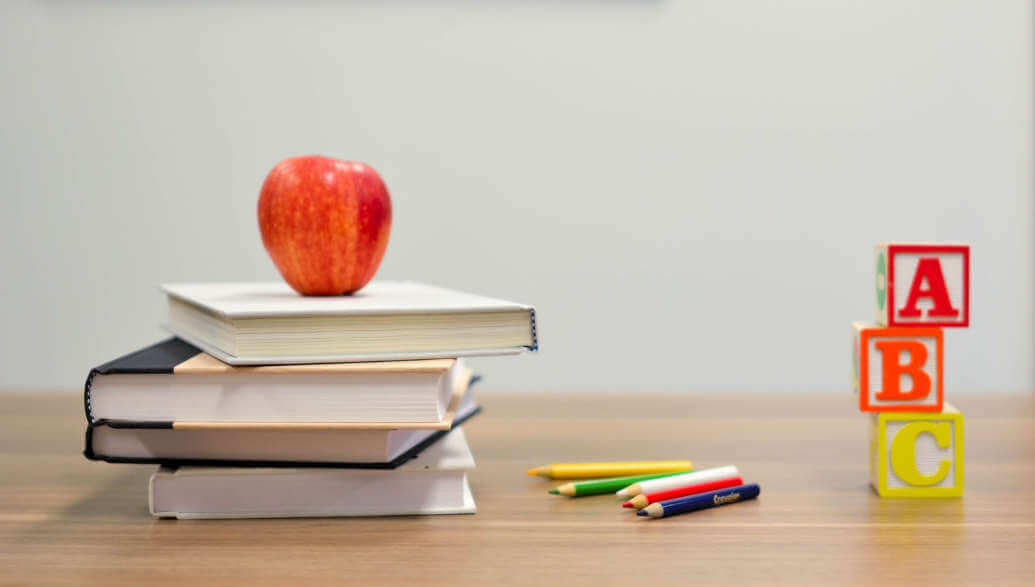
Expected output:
{"points": [[325, 223]]}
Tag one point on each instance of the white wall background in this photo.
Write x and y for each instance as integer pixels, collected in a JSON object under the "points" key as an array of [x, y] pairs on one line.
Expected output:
{"points": [[689, 191]]}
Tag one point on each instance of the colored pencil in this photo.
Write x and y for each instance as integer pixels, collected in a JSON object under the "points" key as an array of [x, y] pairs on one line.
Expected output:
{"points": [[592, 470], [599, 486], [652, 485], [692, 503], [645, 499]]}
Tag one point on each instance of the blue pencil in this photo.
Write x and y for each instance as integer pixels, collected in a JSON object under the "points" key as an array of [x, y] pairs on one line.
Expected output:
{"points": [[692, 503]]}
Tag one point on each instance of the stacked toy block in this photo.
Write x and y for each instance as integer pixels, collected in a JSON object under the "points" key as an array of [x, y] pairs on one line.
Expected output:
{"points": [[916, 438]]}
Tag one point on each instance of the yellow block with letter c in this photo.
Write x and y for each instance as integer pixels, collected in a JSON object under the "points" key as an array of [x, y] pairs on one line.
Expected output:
{"points": [[894, 455], [903, 452]]}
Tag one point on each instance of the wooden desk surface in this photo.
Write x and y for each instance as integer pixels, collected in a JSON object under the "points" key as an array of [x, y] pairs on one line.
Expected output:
{"points": [[63, 519]]}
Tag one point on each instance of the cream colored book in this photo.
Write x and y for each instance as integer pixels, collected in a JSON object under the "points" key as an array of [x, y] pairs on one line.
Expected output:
{"points": [[269, 323], [173, 381], [433, 483]]}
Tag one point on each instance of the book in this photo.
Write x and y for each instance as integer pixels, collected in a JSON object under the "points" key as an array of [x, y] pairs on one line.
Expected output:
{"points": [[268, 323], [144, 442], [175, 383], [435, 482]]}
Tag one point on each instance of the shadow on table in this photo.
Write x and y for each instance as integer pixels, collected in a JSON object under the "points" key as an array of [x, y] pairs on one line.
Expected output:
{"points": [[120, 502]]}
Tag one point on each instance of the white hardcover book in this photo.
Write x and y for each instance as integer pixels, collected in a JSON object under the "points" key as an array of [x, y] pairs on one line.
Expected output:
{"points": [[433, 483], [269, 323]]}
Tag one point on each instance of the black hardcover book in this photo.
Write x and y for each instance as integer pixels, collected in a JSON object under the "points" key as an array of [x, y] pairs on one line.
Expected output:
{"points": [[269, 416]]}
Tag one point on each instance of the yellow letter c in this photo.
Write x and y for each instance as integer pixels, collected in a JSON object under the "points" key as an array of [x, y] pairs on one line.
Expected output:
{"points": [[903, 452]]}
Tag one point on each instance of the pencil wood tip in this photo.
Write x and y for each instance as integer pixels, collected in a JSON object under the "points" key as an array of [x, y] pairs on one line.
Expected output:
{"points": [[630, 491]]}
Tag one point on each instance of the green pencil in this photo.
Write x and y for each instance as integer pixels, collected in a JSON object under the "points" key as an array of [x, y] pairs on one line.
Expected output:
{"points": [[608, 485]]}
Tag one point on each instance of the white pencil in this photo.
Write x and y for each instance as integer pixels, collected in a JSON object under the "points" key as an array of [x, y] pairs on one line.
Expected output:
{"points": [[665, 483]]}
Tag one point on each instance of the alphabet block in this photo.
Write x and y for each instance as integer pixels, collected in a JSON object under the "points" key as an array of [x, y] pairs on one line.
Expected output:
{"points": [[898, 369], [923, 284], [917, 454]]}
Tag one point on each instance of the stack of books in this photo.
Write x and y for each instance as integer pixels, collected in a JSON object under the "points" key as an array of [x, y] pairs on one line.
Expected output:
{"points": [[270, 404]]}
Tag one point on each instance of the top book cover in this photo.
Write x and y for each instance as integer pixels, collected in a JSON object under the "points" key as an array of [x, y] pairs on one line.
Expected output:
{"points": [[923, 284], [268, 323]]}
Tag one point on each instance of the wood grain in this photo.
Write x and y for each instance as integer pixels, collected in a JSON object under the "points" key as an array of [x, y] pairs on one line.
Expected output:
{"points": [[66, 520]]}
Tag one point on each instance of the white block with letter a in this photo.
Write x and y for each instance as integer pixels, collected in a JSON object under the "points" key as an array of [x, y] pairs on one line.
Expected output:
{"points": [[923, 284]]}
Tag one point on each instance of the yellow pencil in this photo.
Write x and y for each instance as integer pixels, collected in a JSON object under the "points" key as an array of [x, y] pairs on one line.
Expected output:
{"points": [[592, 470]]}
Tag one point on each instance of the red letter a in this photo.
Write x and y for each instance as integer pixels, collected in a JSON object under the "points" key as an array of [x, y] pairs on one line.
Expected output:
{"points": [[929, 269]]}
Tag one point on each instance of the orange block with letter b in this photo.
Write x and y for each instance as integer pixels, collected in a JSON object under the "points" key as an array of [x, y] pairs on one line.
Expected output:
{"points": [[898, 369]]}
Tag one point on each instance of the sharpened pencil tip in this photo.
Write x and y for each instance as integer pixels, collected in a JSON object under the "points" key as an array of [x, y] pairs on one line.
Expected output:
{"points": [[554, 491], [531, 472], [641, 513], [627, 504], [621, 492]]}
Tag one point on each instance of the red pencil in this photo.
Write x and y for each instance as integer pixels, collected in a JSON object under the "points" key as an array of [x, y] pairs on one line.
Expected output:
{"points": [[644, 499]]}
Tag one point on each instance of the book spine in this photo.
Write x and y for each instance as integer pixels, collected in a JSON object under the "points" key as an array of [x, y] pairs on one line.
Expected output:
{"points": [[535, 335], [86, 397], [90, 454]]}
